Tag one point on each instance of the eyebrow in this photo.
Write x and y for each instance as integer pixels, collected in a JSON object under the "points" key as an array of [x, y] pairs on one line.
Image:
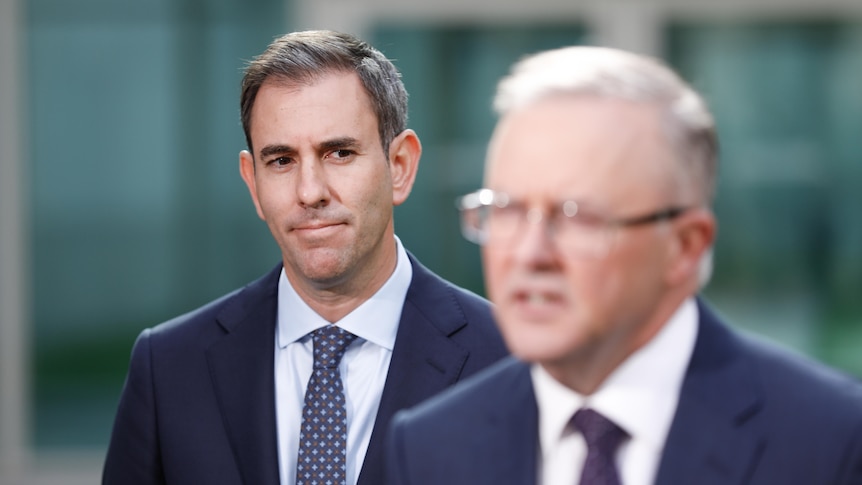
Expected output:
{"points": [[326, 145], [342, 142], [276, 150]]}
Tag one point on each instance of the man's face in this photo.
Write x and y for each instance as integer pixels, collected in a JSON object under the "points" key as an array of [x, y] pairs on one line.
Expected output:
{"points": [[561, 307], [321, 181]]}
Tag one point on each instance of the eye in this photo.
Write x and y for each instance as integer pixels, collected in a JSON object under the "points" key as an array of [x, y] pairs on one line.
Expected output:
{"points": [[581, 218], [342, 154], [280, 161], [510, 212]]}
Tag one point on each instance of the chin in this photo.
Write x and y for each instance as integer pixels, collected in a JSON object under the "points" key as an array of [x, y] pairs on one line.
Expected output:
{"points": [[538, 355], [322, 271], [326, 275], [535, 345]]}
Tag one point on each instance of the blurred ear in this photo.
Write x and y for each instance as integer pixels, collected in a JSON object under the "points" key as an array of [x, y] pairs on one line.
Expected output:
{"points": [[693, 237], [404, 153], [246, 171]]}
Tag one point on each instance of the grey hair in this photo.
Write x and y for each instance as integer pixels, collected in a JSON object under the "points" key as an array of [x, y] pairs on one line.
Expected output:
{"points": [[303, 57], [612, 73]]}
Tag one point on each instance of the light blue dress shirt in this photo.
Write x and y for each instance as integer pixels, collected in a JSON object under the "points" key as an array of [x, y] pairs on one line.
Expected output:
{"points": [[363, 367]]}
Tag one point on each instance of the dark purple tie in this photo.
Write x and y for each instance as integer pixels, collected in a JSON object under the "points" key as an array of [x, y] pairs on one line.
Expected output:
{"points": [[323, 436], [602, 437]]}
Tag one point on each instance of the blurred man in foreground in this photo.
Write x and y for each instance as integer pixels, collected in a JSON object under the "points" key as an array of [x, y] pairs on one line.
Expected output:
{"points": [[595, 223]]}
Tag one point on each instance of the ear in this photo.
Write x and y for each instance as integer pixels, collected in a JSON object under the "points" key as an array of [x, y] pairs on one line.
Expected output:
{"points": [[693, 237], [246, 171], [404, 153]]}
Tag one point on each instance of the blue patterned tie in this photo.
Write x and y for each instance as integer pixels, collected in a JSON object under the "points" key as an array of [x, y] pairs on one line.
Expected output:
{"points": [[323, 437], [602, 437]]}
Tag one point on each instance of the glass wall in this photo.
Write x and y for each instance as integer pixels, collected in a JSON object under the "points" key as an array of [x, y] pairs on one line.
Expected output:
{"points": [[137, 209], [788, 104]]}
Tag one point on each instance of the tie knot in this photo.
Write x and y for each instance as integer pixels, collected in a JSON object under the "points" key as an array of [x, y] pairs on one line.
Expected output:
{"points": [[330, 342], [600, 433]]}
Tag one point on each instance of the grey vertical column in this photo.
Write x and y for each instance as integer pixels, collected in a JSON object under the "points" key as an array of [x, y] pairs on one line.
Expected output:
{"points": [[14, 284], [191, 21], [634, 26]]}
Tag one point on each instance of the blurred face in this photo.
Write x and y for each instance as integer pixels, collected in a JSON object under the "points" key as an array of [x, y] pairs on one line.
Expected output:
{"points": [[579, 314], [321, 181]]}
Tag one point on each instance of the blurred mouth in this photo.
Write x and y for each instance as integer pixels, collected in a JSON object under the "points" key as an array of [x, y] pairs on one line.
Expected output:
{"points": [[537, 297], [537, 304]]}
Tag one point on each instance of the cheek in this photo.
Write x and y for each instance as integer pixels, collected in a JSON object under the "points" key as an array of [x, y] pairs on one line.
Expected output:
{"points": [[371, 203], [272, 199], [494, 266], [594, 288], [623, 287], [363, 185]]}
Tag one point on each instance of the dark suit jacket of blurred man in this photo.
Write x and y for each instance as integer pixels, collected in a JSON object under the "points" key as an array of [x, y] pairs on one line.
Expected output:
{"points": [[748, 413], [199, 400]]}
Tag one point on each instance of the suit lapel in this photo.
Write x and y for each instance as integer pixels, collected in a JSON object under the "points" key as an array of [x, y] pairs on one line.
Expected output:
{"points": [[510, 444], [242, 369], [714, 437], [424, 361]]}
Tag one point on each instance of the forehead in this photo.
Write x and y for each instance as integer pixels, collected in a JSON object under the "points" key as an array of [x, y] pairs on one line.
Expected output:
{"points": [[579, 147], [331, 104]]}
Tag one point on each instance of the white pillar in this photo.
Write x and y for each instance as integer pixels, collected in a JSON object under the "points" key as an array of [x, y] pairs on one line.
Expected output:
{"points": [[630, 25], [14, 284], [348, 16]]}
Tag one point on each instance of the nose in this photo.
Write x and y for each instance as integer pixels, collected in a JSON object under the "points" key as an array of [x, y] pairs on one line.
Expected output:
{"points": [[312, 189], [535, 247]]}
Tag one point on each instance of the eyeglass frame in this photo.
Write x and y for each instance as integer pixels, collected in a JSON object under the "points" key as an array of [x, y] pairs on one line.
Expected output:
{"points": [[485, 197]]}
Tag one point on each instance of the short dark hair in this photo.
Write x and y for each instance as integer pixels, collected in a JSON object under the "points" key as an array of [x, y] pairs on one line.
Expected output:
{"points": [[302, 57]]}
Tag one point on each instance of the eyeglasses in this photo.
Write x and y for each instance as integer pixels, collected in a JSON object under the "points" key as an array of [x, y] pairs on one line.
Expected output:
{"points": [[488, 215]]}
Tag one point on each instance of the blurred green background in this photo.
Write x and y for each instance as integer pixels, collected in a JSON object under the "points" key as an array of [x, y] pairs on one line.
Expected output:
{"points": [[137, 212]]}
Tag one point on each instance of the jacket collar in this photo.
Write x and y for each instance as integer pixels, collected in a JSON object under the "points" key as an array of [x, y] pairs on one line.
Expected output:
{"points": [[714, 437], [242, 368], [425, 359]]}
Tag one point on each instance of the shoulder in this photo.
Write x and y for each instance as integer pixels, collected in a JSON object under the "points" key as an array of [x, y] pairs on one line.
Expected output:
{"points": [[807, 409], [793, 388], [802, 382], [456, 312], [487, 417], [427, 285], [507, 381], [436, 297]]}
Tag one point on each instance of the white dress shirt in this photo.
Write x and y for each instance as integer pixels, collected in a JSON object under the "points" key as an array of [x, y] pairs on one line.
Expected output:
{"points": [[640, 396], [363, 367]]}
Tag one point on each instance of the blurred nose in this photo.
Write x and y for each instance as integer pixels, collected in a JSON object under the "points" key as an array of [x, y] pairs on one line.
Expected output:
{"points": [[312, 189], [535, 245]]}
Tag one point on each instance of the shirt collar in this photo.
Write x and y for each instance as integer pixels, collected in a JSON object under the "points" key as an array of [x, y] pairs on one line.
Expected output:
{"points": [[651, 377], [375, 320]]}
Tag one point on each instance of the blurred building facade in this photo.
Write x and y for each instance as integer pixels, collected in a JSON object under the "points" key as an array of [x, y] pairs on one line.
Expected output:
{"points": [[121, 205]]}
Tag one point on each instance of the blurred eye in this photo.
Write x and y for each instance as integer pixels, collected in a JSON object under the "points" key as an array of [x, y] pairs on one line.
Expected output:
{"points": [[510, 211], [578, 217]]}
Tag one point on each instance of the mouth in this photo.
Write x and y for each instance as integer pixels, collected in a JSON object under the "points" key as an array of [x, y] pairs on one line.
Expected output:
{"points": [[537, 297], [316, 225], [537, 304], [318, 228]]}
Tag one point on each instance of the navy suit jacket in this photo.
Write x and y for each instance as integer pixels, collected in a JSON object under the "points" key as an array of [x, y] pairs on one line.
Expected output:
{"points": [[198, 405], [748, 413]]}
